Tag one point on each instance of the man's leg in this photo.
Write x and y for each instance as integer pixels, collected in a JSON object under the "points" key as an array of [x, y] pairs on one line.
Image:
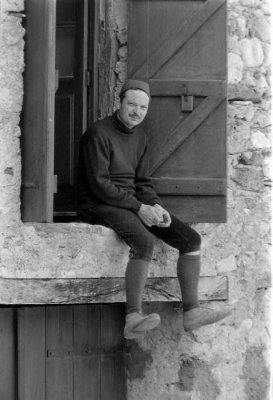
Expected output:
{"points": [[141, 242], [188, 242], [135, 279], [188, 272], [136, 322]]}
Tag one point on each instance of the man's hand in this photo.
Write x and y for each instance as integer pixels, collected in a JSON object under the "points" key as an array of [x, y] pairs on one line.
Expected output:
{"points": [[149, 215], [165, 220]]}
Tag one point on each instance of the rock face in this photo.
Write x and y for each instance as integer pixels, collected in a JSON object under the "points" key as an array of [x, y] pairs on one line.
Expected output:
{"points": [[226, 361]]}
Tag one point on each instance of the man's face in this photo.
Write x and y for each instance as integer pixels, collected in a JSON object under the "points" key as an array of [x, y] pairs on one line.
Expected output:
{"points": [[134, 107]]}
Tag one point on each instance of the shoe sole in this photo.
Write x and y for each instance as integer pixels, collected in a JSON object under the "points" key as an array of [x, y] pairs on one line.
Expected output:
{"points": [[138, 330]]}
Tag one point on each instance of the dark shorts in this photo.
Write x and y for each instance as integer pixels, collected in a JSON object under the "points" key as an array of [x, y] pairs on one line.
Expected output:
{"points": [[139, 237]]}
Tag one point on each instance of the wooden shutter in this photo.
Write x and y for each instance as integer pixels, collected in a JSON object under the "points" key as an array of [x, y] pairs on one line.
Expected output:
{"points": [[38, 112], [180, 48]]}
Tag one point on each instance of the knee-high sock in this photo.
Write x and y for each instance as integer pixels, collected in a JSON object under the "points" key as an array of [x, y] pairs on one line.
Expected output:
{"points": [[135, 279], [188, 272]]}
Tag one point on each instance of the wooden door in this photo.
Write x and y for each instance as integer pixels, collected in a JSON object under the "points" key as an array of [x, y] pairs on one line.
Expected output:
{"points": [[8, 357], [180, 48], [72, 353], [71, 97]]}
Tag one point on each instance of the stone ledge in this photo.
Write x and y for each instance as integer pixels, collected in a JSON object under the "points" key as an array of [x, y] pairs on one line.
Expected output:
{"points": [[73, 250]]}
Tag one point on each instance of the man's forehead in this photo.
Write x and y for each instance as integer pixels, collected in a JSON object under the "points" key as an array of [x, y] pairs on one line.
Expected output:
{"points": [[136, 94]]}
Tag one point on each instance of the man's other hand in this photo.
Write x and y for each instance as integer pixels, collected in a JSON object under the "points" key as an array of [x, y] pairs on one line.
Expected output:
{"points": [[165, 220], [150, 215]]}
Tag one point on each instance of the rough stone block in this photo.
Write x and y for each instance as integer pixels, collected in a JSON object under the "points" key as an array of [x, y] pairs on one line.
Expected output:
{"points": [[251, 158], [122, 36], [235, 68], [242, 92], [122, 53], [262, 29], [259, 140], [252, 52], [250, 178], [265, 6], [226, 265], [238, 140], [267, 49], [249, 3]]}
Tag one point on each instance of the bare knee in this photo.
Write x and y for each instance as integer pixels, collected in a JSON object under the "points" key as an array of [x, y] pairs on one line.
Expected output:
{"points": [[193, 253]]}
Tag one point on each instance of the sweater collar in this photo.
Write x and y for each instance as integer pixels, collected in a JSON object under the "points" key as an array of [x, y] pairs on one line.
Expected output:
{"points": [[120, 125]]}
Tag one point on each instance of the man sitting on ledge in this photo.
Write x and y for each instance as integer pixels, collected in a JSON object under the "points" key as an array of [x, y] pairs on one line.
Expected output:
{"points": [[116, 191]]}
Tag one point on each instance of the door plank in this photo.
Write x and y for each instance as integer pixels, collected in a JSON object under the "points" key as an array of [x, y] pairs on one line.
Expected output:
{"points": [[177, 39], [8, 374], [113, 379], [59, 369], [31, 353], [86, 338]]}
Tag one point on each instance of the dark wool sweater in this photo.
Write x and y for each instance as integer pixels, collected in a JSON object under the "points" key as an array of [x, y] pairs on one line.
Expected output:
{"points": [[113, 167]]}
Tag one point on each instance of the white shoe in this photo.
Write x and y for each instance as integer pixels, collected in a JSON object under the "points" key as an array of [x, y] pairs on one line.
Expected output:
{"points": [[137, 323], [204, 315]]}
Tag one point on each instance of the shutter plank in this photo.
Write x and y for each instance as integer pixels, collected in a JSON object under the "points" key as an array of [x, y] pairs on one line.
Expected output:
{"points": [[194, 209], [177, 38], [176, 87], [190, 186], [135, 45], [184, 129], [38, 112]]}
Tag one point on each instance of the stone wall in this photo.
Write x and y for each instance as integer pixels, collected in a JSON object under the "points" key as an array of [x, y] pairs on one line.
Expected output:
{"points": [[11, 97], [228, 361]]}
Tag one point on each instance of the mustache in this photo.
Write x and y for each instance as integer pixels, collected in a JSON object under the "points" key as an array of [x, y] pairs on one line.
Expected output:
{"points": [[134, 116]]}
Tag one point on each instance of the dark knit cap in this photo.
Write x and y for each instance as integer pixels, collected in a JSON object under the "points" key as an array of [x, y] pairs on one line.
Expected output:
{"points": [[133, 84]]}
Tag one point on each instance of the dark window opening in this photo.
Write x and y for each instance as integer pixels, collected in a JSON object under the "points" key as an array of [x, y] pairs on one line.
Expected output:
{"points": [[74, 69]]}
